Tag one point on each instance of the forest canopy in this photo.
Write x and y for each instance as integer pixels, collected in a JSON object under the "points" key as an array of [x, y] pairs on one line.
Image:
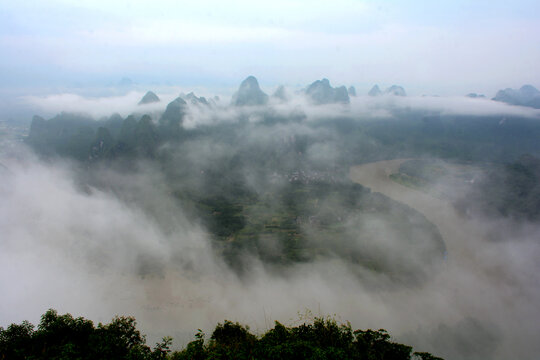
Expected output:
{"points": [[65, 337]]}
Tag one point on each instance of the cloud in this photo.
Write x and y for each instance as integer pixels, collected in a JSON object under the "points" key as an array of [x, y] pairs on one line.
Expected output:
{"points": [[361, 108], [443, 105], [96, 107], [125, 247], [299, 106]]}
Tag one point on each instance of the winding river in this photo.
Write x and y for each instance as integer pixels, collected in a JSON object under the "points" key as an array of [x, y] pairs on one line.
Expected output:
{"points": [[455, 229]]}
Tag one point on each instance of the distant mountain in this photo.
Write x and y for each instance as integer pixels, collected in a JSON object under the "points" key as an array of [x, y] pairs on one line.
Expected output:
{"points": [[150, 97], [37, 126], [125, 82], [249, 93], [127, 136], [527, 95], [136, 138], [352, 91], [476, 96], [375, 91], [191, 98], [395, 90], [64, 134], [321, 92], [114, 124], [146, 136], [175, 111], [171, 120], [102, 145], [280, 94]]}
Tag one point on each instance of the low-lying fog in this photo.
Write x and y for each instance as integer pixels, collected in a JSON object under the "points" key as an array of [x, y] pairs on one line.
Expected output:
{"points": [[80, 250], [125, 104]]}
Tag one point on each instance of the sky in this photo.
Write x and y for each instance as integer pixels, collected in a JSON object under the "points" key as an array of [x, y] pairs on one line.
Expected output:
{"points": [[449, 48]]}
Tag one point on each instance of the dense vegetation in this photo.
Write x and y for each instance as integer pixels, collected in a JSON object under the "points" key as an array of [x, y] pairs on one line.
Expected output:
{"points": [[300, 222], [405, 134], [66, 337], [496, 139], [510, 190]]}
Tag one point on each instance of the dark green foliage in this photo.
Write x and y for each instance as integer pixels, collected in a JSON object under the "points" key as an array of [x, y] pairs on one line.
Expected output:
{"points": [[426, 356], [195, 350], [59, 335], [119, 339], [299, 222], [322, 339], [511, 190], [222, 217], [376, 345], [16, 340], [162, 349], [232, 340], [66, 337]]}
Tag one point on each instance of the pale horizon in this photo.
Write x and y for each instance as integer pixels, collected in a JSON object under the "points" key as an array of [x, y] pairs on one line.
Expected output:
{"points": [[434, 49]]}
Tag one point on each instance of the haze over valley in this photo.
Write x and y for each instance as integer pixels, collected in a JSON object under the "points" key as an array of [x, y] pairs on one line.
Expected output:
{"points": [[358, 190]]}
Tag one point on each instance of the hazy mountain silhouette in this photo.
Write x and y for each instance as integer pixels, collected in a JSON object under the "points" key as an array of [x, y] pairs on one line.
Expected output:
{"points": [[148, 98], [321, 92], [375, 91], [527, 95], [249, 93]]}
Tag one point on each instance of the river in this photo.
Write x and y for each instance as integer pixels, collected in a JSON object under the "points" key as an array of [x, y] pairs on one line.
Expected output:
{"points": [[455, 229]]}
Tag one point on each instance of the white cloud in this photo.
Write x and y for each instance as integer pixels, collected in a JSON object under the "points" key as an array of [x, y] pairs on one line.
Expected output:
{"points": [[96, 106], [453, 105], [78, 252]]}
